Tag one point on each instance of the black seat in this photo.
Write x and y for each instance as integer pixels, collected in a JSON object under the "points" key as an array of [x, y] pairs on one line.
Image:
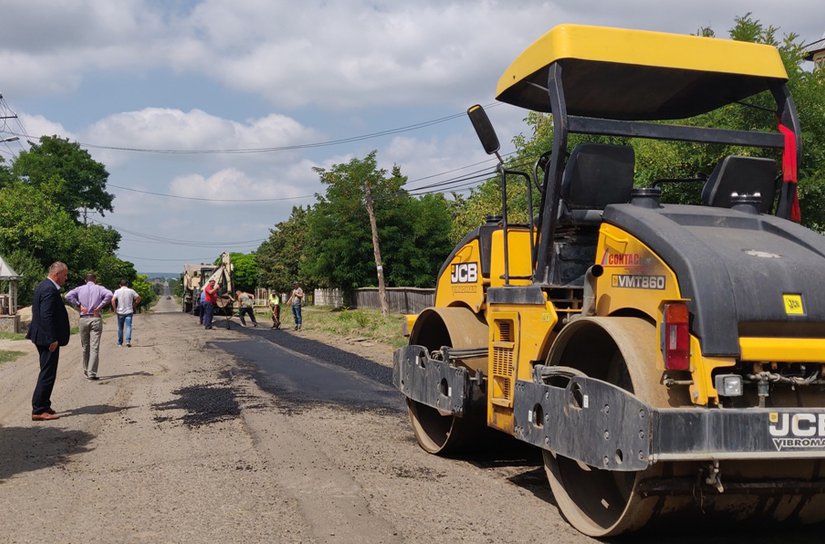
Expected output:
{"points": [[742, 175], [595, 175]]}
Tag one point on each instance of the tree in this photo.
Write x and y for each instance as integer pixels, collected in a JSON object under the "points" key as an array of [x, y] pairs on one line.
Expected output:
{"points": [[245, 276], [35, 231], [414, 232], [357, 193], [354, 191], [6, 176], [417, 247], [279, 258], [144, 288], [67, 174]]}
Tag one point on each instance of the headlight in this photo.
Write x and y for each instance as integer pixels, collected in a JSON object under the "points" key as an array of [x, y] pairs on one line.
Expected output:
{"points": [[728, 385]]}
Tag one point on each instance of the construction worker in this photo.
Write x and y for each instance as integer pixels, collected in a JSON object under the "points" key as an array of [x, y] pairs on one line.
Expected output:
{"points": [[275, 307]]}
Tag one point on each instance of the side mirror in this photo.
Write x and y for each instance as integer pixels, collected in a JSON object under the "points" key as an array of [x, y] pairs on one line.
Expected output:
{"points": [[484, 129]]}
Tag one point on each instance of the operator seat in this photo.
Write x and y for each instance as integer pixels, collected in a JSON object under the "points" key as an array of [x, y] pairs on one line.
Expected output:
{"points": [[595, 175], [742, 175]]}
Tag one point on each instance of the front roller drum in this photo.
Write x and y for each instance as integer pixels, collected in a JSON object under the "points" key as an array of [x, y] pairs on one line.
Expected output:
{"points": [[601, 503], [456, 328]]}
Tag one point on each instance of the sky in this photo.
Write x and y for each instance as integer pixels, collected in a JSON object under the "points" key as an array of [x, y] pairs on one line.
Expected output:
{"points": [[210, 116]]}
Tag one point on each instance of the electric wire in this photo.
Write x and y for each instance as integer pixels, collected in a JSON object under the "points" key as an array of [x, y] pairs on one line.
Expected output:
{"points": [[273, 149]]}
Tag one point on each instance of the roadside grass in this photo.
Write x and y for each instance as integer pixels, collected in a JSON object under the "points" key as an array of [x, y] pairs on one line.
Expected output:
{"points": [[7, 356], [363, 323]]}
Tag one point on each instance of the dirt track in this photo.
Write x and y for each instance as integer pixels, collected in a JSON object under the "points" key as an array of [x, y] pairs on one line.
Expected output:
{"points": [[176, 443]]}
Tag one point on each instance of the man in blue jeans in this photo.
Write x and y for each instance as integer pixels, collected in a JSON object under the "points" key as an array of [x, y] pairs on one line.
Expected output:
{"points": [[124, 302], [295, 299]]}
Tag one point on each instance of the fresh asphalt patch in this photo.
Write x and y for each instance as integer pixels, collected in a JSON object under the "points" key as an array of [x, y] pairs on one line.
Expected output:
{"points": [[302, 373]]}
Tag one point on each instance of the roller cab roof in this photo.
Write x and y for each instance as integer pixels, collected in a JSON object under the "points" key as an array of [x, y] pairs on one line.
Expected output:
{"points": [[624, 74]]}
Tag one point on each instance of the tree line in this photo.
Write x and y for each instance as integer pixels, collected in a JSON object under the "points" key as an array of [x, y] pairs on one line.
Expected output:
{"points": [[46, 194]]}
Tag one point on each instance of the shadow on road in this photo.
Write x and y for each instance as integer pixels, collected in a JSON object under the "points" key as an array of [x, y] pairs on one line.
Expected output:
{"points": [[116, 376], [94, 410], [24, 449]]}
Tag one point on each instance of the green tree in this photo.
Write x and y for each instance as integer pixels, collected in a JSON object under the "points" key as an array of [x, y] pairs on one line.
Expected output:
{"points": [[143, 286], [279, 257], [67, 174], [340, 250], [245, 275], [414, 233], [35, 231], [419, 247], [6, 176]]}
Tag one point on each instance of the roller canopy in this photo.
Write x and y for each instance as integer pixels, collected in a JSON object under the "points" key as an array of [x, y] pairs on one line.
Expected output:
{"points": [[623, 74]]}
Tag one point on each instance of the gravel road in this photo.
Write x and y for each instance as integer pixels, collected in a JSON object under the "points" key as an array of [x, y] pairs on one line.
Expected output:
{"points": [[178, 442]]}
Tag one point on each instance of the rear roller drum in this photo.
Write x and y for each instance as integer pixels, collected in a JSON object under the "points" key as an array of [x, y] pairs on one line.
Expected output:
{"points": [[620, 351], [603, 503]]}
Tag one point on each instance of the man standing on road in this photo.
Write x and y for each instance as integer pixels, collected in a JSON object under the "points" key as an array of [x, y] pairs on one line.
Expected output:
{"points": [[90, 299], [275, 306], [201, 302], [295, 299], [48, 331], [210, 298], [124, 302], [246, 302]]}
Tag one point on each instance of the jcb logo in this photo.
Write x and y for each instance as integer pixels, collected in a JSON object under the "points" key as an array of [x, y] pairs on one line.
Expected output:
{"points": [[793, 304], [464, 273]]}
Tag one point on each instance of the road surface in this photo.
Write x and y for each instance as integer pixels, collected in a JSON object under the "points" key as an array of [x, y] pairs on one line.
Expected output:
{"points": [[251, 435]]}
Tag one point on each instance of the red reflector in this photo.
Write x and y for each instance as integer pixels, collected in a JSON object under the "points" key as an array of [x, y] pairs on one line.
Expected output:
{"points": [[676, 336]]}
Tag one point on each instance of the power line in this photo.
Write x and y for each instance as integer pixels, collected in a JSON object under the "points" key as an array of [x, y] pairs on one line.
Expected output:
{"points": [[210, 199], [310, 145], [175, 241], [192, 260]]}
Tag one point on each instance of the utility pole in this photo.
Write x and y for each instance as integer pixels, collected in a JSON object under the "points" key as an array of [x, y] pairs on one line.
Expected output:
{"points": [[376, 249]]}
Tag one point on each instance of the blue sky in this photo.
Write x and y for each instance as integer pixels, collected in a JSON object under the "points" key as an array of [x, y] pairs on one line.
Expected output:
{"points": [[247, 74]]}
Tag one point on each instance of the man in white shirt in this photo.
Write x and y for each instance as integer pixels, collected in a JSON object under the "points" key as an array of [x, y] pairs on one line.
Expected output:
{"points": [[124, 302]]}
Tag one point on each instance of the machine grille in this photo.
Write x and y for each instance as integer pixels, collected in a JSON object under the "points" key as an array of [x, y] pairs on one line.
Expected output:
{"points": [[503, 349]]}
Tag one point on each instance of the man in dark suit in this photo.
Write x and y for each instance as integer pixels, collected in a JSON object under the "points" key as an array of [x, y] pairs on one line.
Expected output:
{"points": [[48, 331]]}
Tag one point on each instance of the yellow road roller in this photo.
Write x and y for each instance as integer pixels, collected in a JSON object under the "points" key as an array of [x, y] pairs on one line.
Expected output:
{"points": [[668, 359]]}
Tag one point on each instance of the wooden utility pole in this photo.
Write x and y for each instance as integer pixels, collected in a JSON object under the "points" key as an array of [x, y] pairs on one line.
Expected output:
{"points": [[376, 249]]}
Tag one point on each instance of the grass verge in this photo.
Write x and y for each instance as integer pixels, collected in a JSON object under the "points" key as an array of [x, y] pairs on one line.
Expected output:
{"points": [[363, 323], [7, 356]]}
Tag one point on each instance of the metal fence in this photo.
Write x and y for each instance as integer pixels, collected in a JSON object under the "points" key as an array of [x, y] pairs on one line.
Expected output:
{"points": [[405, 300]]}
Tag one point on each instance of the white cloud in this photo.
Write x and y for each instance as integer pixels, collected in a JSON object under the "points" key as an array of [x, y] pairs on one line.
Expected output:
{"points": [[231, 184], [164, 128], [352, 54], [37, 125], [175, 130]]}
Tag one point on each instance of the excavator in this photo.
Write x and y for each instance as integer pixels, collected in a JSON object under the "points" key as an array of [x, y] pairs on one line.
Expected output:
{"points": [[668, 360]]}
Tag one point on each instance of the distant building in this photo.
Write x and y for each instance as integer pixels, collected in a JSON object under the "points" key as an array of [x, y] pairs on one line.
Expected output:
{"points": [[816, 52]]}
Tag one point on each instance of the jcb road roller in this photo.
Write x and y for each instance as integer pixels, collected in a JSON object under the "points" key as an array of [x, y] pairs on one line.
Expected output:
{"points": [[668, 359]]}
